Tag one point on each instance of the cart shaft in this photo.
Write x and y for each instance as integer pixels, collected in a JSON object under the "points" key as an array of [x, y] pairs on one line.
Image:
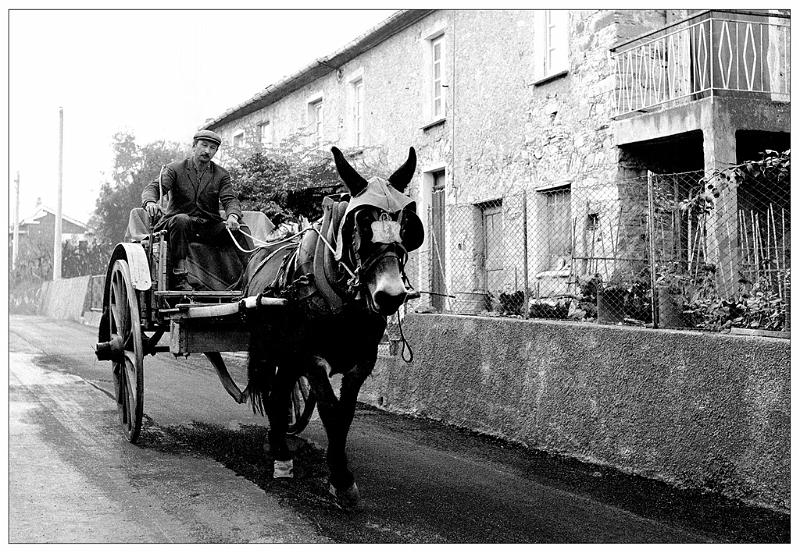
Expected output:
{"points": [[192, 311]]}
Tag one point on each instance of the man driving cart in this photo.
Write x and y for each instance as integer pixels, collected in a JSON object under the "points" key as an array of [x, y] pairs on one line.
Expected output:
{"points": [[198, 188]]}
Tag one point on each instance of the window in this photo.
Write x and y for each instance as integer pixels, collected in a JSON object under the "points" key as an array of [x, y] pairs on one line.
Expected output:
{"points": [[358, 112], [552, 43], [437, 97], [265, 133], [315, 120], [434, 73], [557, 219], [238, 139]]}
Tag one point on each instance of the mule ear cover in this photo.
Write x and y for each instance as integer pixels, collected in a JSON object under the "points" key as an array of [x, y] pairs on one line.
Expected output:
{"points": [[412, 233], [404, 174], [356, 184]]}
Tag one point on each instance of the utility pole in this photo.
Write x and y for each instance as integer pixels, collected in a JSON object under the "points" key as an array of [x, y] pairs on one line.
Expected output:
{"points": [[57, 233], [15, 243]]}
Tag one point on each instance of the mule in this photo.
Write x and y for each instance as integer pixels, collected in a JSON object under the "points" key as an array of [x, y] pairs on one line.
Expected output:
{"points": [[343, 278]]}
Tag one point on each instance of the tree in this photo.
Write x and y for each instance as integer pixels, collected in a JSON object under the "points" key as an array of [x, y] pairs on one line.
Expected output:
{"points": [[134, 167], [34, 262], [289, 180]]}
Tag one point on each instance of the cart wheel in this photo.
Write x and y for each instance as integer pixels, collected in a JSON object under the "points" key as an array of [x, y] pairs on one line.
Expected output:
{"points": [[302, 406], [129, 368]]}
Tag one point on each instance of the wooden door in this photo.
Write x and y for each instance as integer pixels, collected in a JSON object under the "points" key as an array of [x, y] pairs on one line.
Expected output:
{"points": [[437, 248]]}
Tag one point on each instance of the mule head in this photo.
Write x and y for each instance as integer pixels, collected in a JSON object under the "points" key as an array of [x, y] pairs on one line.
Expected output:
{"points": [[379, 228]]}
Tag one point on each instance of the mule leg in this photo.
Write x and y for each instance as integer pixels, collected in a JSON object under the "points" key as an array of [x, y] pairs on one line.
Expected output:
{"points": [[337, 416], [329, 413], [277, 412], [351, 385]]}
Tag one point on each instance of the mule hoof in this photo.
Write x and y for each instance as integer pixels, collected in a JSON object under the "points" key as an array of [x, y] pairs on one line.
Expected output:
{"points": [[349, 499], [283, 469]]}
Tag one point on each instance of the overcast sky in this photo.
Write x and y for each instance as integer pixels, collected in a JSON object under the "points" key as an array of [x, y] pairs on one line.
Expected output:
{"points": [[158, 74]]}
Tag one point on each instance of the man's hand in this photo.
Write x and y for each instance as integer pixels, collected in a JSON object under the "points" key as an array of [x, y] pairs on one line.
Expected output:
{"points": [[153, 209], [233, 222]]}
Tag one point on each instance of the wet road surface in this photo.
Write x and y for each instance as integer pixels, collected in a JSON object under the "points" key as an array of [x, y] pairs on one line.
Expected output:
{"points": [[199, 473]]}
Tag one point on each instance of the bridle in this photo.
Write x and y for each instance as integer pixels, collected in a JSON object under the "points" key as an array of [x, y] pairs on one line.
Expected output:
{"points": [[386, 250], [360, 268]]}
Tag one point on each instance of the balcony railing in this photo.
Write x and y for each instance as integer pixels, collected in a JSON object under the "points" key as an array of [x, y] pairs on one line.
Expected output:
{"points": [[706, 54]]}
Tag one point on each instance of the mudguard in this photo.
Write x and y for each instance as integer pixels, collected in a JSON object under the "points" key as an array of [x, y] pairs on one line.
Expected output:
{"points": [[137, 263], [139, 267]]}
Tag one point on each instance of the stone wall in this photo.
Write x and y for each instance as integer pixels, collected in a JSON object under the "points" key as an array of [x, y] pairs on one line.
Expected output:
{"points": [[392, 73], [503, 132], [66, 298], [704, 411]]}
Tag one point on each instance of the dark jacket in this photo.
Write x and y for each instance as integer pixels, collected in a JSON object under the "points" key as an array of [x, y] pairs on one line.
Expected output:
{"points": [[197, 199]]}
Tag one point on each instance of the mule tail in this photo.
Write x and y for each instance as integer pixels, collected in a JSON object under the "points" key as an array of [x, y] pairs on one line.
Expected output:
{"points": [[260, 374]]}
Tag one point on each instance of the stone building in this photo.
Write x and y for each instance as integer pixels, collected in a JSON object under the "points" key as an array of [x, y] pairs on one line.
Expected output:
{"points": [[535, 129]]}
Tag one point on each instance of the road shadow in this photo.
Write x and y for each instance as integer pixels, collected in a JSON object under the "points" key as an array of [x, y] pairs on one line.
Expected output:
{"points": [[717, 518]]}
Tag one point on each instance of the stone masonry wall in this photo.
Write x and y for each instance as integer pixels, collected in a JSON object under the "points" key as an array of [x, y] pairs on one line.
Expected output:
{"points": [[394, 102], [696, 410], [503, 132]]}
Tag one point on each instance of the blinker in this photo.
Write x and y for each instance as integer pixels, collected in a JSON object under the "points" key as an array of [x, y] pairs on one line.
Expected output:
{"points": [[385, 230]]}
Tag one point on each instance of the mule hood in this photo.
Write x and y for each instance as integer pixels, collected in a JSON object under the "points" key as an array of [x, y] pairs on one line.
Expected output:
{"points": [[379, 193]]}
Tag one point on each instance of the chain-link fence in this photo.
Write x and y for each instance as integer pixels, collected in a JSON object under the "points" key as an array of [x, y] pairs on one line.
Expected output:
{"points": [[714, 247]]}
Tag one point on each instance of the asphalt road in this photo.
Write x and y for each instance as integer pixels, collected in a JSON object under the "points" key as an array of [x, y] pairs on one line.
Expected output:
{"points": [[200, 474]]}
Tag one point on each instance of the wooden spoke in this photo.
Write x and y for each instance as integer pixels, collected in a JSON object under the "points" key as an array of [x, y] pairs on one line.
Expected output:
{"points": [[121, 392], [117, 306], [302, 406], [295, 409]]}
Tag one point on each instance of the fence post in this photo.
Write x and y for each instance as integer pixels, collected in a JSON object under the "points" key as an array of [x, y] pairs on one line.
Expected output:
{"points": [[525, 297], [651, 230]]}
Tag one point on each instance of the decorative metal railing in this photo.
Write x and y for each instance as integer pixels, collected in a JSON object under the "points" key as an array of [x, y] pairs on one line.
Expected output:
{"points": [[706, 54]]}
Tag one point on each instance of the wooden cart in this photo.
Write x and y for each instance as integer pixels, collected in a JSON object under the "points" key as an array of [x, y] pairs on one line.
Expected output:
{"points": [[139, 310]]}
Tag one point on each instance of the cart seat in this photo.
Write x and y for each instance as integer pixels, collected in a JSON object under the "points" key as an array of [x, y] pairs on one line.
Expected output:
{"points": [[139, 225], [210, 268], [213, 268]]}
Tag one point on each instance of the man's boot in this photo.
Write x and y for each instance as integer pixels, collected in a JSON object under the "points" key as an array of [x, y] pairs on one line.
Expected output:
{"points": [[179, 281]]}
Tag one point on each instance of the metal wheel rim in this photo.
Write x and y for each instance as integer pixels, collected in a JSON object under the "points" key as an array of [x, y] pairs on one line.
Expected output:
{"points": [[128, 372]]}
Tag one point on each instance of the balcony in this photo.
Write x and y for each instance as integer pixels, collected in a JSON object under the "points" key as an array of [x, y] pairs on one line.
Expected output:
{"points": [[715, 52]]}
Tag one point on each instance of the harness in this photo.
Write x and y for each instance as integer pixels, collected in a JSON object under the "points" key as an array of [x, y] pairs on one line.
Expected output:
{"points": [[321, 282], [320, 276], [311, 275]]}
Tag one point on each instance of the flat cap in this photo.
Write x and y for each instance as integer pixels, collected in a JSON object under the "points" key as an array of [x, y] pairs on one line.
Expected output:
{"points": [[211, 136]]}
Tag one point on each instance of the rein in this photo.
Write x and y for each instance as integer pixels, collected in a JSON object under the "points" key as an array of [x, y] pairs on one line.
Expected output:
{"points": [[259, 244], [333, 252]]}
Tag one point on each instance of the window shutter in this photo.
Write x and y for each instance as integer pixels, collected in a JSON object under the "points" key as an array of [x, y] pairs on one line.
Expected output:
{"points": [[559, 20], [551, 42]]}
